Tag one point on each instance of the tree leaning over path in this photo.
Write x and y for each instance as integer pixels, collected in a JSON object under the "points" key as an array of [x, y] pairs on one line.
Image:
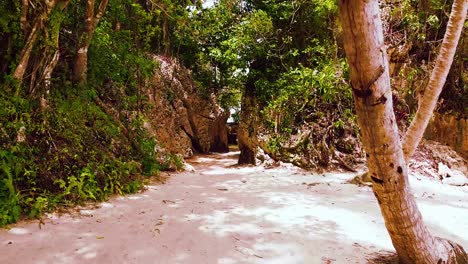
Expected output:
{"points": [[437, 80], [370, 80]]}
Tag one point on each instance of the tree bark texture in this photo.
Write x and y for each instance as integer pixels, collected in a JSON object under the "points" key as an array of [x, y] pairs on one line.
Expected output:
{"points": [[37, 26], [247, 132], [218, 131], [81, 62], [437, 80], [367, 58], [25, 54], [24, 16]]}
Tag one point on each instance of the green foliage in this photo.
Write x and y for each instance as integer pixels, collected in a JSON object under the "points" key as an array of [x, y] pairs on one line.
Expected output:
{"points": [[305, 89], [10, 34], [9, 197], [83, 187], [274, 144], [72, 152], [37, 206], [115, 56], [420, 22], [416, 29], [150, 166], [53, 28], [173, 161]]}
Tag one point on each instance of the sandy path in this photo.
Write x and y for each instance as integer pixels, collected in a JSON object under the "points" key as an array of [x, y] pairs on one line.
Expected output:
{"points": [[225, 214]]}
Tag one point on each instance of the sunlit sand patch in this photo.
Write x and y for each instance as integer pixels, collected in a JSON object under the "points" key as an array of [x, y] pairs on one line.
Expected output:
{"points": [[62, 258], [227, 261], [135, 197], [182, 257], [192, 217], [279, 253], [430, 186], [217, 199], [87, 234], [107, 205], [300, 213], [152, 187], [90, 255], [18, 231], [233, 170], [223, 229], [194, 187], [86, 212], [138, 252], [451, 219], [254, 184], [204, 160], [85, 249]]}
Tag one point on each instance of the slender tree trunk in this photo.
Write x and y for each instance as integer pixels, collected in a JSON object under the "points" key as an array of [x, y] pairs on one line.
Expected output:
{"points": [[81, 61], [166, 41], [50, 68], [437, 80], [80, 70], [44, 63], [247, 131], [24, 16], [366, 55], [32, 37], [26, 53]]}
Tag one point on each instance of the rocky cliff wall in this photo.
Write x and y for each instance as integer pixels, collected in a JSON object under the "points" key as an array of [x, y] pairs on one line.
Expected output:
{"points": [[182, 119], [449, 130]]}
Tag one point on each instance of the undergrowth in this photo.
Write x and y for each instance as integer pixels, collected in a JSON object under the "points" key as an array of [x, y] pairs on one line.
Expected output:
{"points": [[67, 153]]}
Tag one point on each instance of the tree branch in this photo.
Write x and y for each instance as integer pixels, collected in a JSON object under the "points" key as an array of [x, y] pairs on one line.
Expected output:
{"points": [[101, 10]]}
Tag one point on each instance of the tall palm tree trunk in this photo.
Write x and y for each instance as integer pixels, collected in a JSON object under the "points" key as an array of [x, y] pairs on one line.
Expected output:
{"points": [[367, 58]]}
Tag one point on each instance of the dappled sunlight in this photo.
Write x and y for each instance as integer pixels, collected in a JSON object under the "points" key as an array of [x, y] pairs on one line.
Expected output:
{"points": [[281, 253], [88, 252], [217, 199], [18, 231], [301, 216], [423, 185], [106, 205], [218, 170], [449, 218], [228, 214]]}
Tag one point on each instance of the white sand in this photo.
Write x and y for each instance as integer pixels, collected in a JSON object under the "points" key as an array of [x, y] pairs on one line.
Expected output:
{"points": [[226, 214]]}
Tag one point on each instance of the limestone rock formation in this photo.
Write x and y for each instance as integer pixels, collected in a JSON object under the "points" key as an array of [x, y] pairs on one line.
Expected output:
{"points": [[449, 130], [182, 119]]}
